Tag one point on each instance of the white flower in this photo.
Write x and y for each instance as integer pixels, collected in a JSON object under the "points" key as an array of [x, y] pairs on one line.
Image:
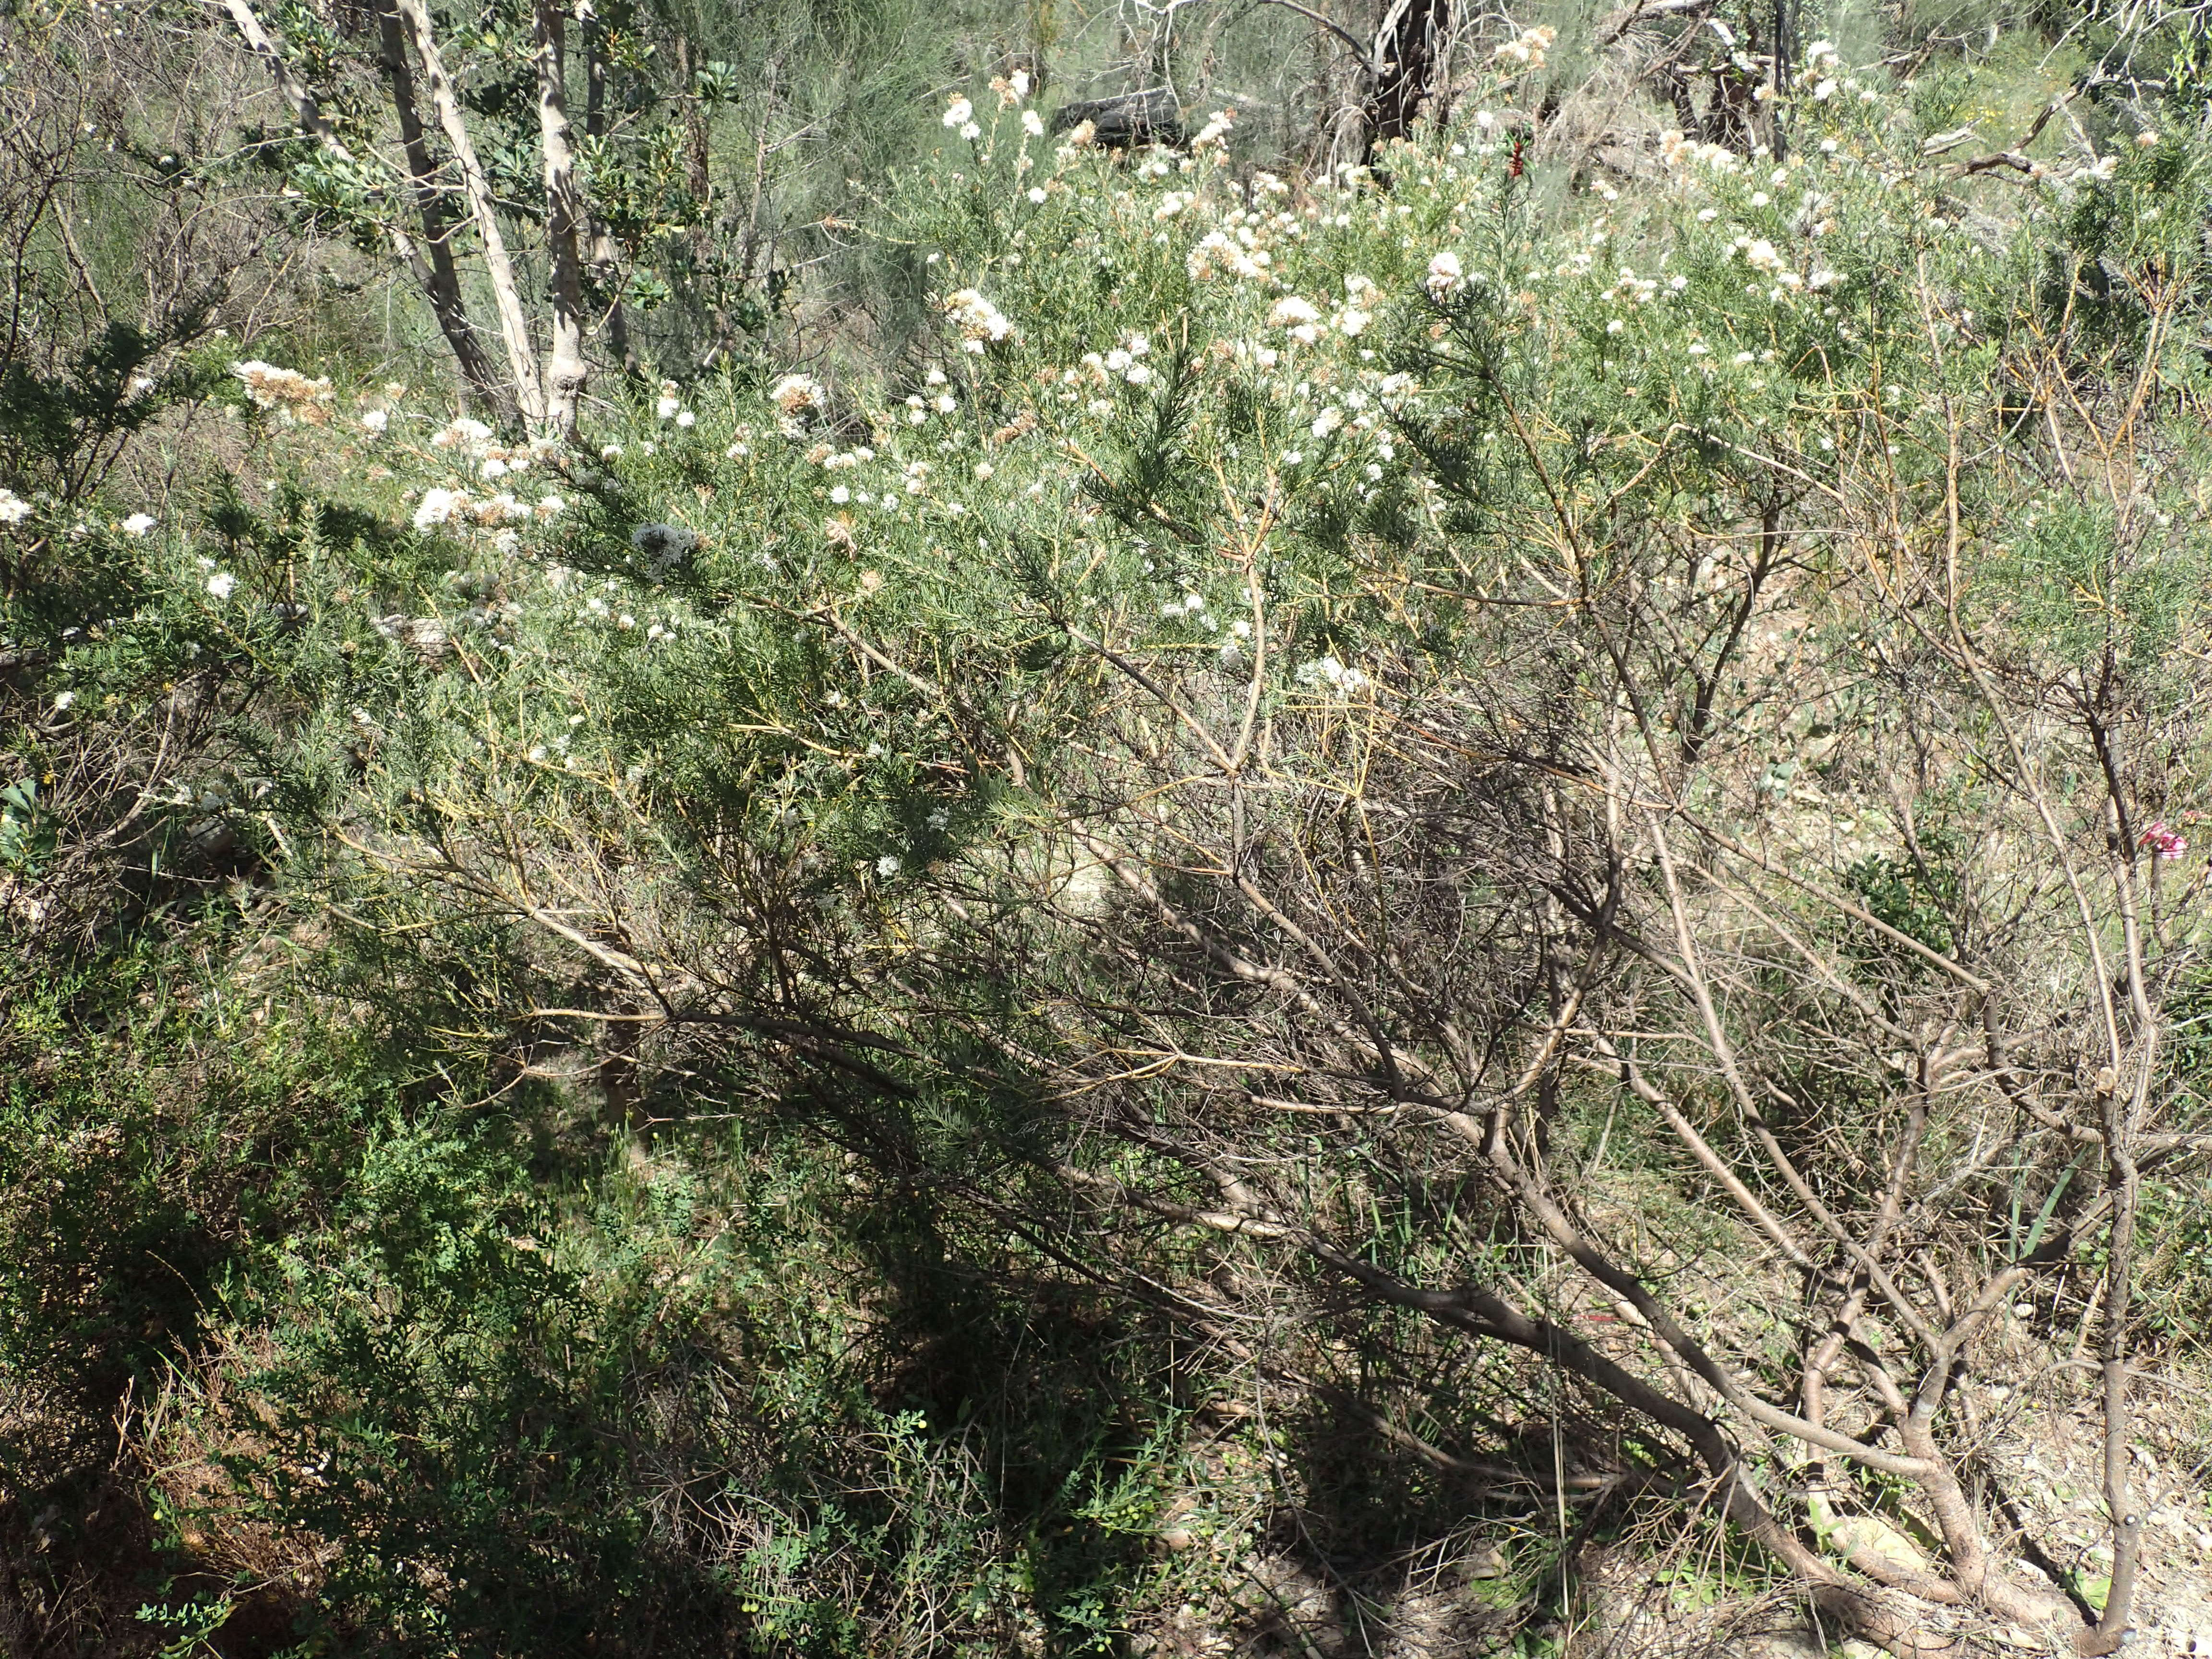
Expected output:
{"points": [[684, 418], [957, 113], [63, 699], [285, 390], [1036, 195], [1444, 276], [795, 393], [841, 494], [2106, 167], [1761, 256], [221, 584], [737, 451], [438, 505], [1615, 326], [551, 507], [888, 866], [376, 420], [1292, 311], [2147, 139], [463, 431], [971, 132], [1032, 124], [139, 523], [1327, 422], [665, 407], [494, 468], [14, 509], [978, 319]]}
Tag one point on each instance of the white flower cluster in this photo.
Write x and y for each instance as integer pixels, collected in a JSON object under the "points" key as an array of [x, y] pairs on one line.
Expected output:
{"points": [[980, 323], [1446, 278], [1527, 49], [669, 407], [1327, 671], [470, 436], [1214, 135], [1298, 316], [1121, 363], [1239, 246], [1217, 252], [14, 509], [287, 392], [1676, 149], [961, 115], [1822, 63], [795, 397], [454, 506], [1636, 291]]}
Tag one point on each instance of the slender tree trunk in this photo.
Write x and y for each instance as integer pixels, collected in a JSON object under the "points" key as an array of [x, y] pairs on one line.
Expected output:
{"points": [[605, 261], [305, 107], [441, 280], [513, 327], [308, 110], [1407, 50], [565, 369]]}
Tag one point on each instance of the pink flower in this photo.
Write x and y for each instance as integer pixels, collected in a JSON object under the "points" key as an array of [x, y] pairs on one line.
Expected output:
{"points": [[2161, 842]]}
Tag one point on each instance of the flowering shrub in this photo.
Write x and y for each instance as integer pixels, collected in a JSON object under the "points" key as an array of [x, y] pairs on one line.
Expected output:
{"points": [[1396, 753]]}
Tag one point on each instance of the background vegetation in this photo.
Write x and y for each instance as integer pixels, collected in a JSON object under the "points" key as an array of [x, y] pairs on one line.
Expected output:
{"points": [[1352, 882]]}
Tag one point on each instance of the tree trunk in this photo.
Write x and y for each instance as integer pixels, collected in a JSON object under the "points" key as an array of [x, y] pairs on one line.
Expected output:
{"points": [[565, 369], [1407, 50], [513, 327], [441, 280]]}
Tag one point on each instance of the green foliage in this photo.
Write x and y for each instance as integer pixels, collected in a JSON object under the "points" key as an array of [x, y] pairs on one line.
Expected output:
{"points": [[597, 1104]]}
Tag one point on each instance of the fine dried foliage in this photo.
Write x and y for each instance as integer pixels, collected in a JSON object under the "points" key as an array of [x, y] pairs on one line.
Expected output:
{"points": [[1352, 850]]}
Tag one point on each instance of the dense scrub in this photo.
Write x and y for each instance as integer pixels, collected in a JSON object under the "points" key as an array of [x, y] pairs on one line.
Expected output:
{"points": [[1298, 880]]}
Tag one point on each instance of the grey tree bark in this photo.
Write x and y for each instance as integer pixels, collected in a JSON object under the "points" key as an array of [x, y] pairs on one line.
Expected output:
{"points": [[565, 369]]}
